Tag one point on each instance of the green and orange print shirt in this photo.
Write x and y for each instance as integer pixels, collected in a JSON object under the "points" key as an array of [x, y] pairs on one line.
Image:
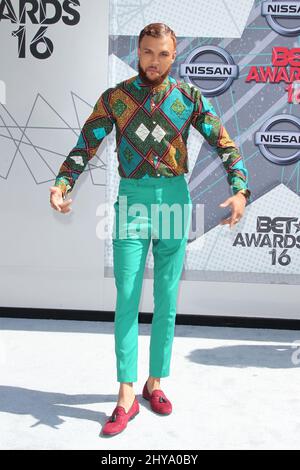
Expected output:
{"points": [[152, 126]]}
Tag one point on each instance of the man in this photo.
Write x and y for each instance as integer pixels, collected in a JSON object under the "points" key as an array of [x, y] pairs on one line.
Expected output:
{"points": [[152, 112]]}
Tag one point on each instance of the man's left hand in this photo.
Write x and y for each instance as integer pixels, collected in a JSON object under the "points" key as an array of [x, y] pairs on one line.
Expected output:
{"points": [[237, 202]]}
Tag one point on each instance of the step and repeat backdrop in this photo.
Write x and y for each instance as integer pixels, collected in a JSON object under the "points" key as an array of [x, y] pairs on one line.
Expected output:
{"points": [[245, 58], [58, 57], [53, 68]]}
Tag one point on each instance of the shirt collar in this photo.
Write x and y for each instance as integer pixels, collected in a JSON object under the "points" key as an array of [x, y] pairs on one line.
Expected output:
{"points": [[161, 87]]}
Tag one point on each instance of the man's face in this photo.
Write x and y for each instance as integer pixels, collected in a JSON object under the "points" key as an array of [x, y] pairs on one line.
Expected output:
{"points": [[156, 56]]}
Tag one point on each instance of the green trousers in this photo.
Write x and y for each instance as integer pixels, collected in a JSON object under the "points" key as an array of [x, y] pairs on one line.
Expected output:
{"points": [[157, 209]]}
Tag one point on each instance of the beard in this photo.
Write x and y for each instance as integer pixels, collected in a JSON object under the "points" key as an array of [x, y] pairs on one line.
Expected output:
{"points": [[154, 82]]}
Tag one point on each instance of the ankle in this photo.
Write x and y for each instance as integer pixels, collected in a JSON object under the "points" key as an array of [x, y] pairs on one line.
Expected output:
{"points": [[126, 389], [153, 382]]}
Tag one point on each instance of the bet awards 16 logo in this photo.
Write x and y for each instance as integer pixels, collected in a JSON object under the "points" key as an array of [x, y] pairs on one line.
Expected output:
{"points": [[277, 233], [38, 12]]}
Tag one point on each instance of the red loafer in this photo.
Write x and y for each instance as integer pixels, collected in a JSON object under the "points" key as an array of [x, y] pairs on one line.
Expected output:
{"points": [[119, 419], [158, 401]]}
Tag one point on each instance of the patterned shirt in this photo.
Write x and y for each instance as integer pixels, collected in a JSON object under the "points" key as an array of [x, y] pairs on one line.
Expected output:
{"points": [[152, 126]]}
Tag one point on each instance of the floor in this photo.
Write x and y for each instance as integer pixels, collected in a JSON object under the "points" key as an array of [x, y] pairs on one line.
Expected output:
{"points": [[231, 388]]}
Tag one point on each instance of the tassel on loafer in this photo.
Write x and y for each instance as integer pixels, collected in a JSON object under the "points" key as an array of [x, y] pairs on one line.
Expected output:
{"points": [[119, 419], [158, 401]]}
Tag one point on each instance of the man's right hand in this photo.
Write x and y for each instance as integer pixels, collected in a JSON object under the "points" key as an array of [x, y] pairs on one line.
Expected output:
{"points": [[57, 202]]}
